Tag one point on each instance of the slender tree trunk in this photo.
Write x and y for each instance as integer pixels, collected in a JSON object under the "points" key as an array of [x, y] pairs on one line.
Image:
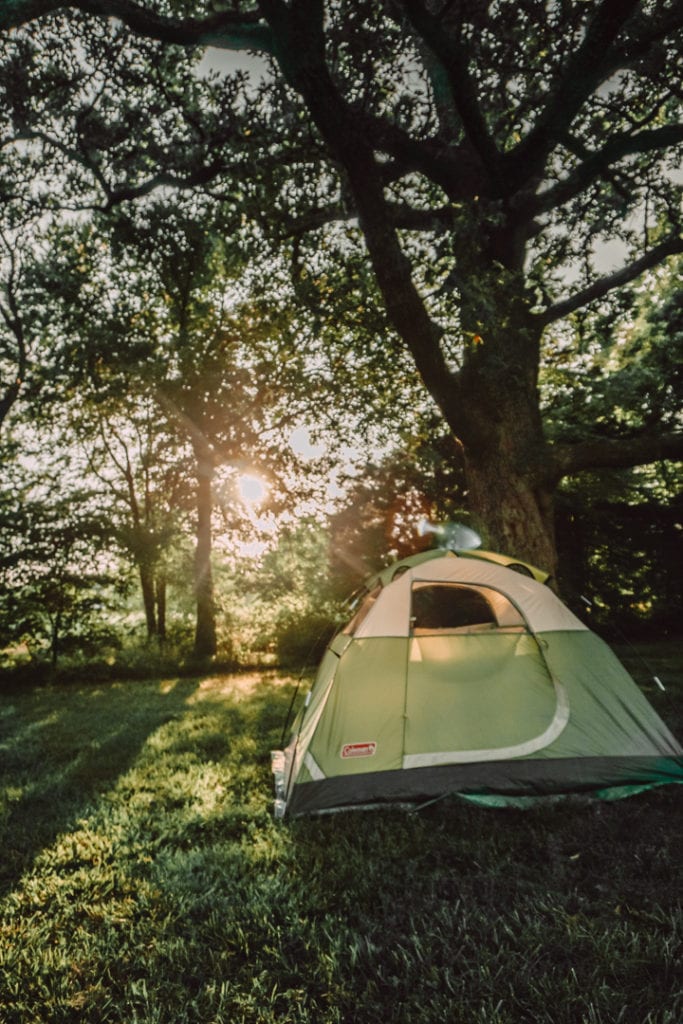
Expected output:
{"points": [[160, 596], [55, 637], [205, 631], [7, 400], [147, 588]]}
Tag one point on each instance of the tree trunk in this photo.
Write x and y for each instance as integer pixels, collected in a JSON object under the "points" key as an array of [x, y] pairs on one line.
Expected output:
{"points": [[509, 467], [7, 400], [160, 597], [513, 515], [507, 463], [205, 631], [147, 588], [55, 637]]}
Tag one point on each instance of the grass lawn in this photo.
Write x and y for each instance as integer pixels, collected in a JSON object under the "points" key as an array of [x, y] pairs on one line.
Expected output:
{"points": [[142, 879]]}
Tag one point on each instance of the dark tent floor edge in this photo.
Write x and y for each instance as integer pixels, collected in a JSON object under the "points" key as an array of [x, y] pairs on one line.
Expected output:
{"points": [[533, 777]]}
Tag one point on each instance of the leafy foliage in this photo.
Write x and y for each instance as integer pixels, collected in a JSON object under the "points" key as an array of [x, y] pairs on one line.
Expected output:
{"points": [[627, 375], [478, 158], [58, 588], [378, 230], [379, 519], [290, 601]]}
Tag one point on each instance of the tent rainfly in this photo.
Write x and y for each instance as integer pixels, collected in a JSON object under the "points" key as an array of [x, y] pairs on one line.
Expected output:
{"points": [[459, 675]]}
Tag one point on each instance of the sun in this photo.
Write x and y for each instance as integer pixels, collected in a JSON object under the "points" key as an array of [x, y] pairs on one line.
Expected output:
{"points": [[252, 490]]}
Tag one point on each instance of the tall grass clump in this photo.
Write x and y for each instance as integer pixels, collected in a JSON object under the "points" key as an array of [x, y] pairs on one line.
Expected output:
{"points": [[144, 881]]}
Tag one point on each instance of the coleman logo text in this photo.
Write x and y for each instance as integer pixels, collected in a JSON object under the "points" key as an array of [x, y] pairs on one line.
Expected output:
{"points": [[359, 749]]}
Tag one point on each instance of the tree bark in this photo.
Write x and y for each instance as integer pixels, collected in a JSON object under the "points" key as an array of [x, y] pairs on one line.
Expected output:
{"points": [[509, 469], [160, 598], [147, 589], [55, 638], [514, 515], [7, 400], [205, 630]]}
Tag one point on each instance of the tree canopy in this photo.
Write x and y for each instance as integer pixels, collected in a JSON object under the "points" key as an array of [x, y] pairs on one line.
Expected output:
{"points": [[506, 166]]}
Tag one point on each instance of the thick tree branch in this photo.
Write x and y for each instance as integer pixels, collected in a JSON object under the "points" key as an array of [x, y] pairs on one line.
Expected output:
{"points": [[198, 439], [402, 216], [650, 32], [453, 61], [620, 453], [405, 307], [408, 218], [225, 30], [582, 74], [298, 30], [597, 163], [456, 170], [607, 284], [201, 176]]}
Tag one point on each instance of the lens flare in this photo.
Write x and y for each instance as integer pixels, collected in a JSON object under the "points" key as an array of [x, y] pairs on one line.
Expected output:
{"points": [[252, 490], [451, 535]]}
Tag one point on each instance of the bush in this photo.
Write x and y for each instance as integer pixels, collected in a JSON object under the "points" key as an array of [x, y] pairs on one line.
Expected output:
{"points": [[300, 641]]}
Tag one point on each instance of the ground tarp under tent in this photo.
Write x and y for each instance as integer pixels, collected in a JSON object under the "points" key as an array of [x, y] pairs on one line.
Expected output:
{"points": [[460, 674]]}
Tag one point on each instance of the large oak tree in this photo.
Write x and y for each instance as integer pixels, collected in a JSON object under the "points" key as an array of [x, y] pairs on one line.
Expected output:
{"points": [[487, 152]]}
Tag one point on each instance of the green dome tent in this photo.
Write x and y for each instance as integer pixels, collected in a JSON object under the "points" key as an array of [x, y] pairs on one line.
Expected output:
{"points": [[461, 674]]}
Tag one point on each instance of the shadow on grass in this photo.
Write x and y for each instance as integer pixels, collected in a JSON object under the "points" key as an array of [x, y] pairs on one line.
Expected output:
{"points": [[61, 748], [182, 899]]}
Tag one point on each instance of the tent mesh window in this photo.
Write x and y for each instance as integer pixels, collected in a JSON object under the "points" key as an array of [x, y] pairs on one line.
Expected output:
{"points": [[452, 607]]}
